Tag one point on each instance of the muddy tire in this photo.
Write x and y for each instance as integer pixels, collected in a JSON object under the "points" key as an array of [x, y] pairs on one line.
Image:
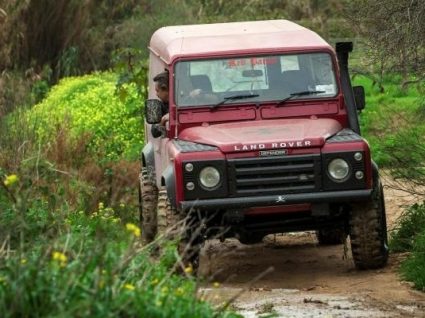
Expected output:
{"points": [[172, 226], [167, 217], [148, 197], [331, 236], [368, 232]]}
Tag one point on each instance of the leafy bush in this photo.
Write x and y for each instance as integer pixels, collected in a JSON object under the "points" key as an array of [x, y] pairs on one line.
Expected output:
{"points": [[88, 106], [410, 225]]}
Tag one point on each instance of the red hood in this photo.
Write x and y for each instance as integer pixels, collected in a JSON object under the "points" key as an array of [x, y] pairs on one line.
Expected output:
{"points": [[265, 134]]}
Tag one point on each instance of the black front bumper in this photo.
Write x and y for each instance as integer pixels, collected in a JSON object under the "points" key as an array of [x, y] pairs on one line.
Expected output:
{"points": [[274, 200]]}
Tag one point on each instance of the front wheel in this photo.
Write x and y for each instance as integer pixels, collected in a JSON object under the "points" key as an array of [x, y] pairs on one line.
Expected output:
{"points": [[173, 226], [368, 232]]}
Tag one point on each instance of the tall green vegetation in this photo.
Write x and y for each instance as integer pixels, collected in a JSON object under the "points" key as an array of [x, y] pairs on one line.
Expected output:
{"points": [[65, 263]]}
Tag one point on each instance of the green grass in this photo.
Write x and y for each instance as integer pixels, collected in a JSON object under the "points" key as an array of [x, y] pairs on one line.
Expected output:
{"points": [[387, 114]]}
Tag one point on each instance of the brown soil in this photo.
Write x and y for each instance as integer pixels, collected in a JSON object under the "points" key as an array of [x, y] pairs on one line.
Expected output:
{"points": [[314, 272]]}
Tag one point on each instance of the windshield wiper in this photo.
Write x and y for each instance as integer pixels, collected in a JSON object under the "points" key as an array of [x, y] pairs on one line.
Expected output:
{"points": [[234, 97], [298, 94]]}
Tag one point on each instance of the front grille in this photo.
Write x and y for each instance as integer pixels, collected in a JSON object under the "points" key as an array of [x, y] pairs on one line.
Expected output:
{"points": [[274, 175]]}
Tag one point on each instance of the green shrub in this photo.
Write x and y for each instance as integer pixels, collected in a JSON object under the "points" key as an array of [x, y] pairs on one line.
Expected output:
{"points": [[410, 225], [88, 106], [413, 269]]}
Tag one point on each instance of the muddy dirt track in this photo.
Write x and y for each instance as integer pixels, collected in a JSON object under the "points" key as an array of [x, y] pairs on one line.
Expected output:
{"points": [[309, 280]]}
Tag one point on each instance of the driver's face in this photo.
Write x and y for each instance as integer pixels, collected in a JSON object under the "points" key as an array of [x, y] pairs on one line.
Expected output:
{"points": [[161, 93]]}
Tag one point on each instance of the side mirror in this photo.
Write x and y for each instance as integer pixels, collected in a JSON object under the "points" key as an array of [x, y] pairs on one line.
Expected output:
{"points": [[359, 97], [153, 111]]}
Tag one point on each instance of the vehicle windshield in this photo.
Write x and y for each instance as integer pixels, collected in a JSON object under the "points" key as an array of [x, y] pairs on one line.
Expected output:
{"points": [[272, 78]]}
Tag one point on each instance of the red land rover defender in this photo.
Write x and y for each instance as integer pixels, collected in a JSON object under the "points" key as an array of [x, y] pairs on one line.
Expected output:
{"points": [[268, 143]]}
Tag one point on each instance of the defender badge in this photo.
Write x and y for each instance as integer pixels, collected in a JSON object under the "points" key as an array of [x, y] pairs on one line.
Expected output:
{"points": [[266, 153]]}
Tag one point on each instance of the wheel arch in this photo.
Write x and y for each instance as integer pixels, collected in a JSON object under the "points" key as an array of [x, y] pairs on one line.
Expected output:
{"points": [[148, 156], [375, 174]]}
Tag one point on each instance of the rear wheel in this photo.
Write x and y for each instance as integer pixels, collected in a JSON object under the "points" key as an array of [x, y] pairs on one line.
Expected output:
{"points": [[171, 225], [148, 196], [368, 232]]}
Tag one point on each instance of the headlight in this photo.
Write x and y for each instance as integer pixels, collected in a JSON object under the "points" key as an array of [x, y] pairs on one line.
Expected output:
{"points": [[209, 177], [339, 170]]}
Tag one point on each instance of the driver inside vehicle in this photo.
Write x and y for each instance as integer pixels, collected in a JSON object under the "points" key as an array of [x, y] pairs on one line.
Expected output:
{"points": [[162, 92]]}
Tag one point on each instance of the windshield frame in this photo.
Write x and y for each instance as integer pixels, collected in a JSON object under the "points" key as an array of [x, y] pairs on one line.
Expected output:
{"points": [[244, 55]]}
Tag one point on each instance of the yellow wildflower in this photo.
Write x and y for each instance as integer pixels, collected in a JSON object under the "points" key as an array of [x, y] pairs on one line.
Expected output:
{"points": [[216, 284], [129, 287], [133, 229], [164, 290], [23, 261], [60, 257], [188, 269], [10, 180], [179, 291]]}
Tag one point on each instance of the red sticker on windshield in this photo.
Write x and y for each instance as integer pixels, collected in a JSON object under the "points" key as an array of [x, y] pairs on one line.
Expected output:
{"points": [[252, 61]]}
